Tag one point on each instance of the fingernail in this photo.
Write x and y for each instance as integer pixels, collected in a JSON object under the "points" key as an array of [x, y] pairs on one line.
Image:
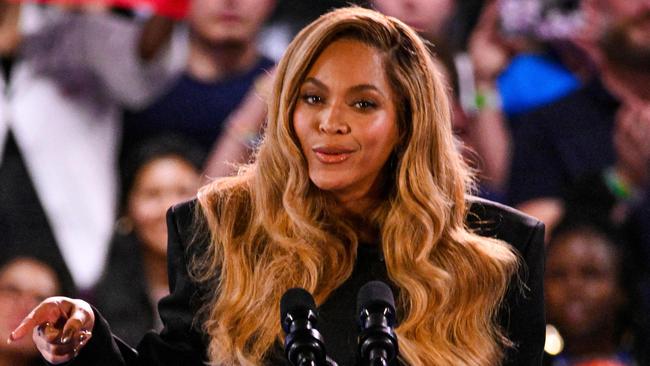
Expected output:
{"points": [[67, 336]]}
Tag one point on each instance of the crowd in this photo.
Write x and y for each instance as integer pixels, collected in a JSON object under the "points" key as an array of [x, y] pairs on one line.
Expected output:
{"points": [[108, 117]]}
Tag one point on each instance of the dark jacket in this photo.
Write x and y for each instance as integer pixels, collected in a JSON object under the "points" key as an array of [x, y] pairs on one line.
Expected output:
{"points": [[180, 343], [122, 293]]}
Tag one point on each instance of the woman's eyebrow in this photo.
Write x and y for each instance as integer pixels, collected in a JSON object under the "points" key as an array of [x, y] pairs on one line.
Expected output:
{"points": [[365, 87], [356, 88], [313, 80]]}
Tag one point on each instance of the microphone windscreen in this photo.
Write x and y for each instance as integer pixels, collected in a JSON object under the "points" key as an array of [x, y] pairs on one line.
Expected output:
{"points": [[375, 293], [296, 299]]}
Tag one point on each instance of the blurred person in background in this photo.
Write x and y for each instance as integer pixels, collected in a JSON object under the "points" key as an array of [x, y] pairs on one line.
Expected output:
{"points": [[223, 67], [484, 136], [65, 74], [600, 16], [522, 53], [159, 173], [597, 137], [449, 21], [520, 57], [591, 149], [431, 18], [24, 283], [590, 297]]}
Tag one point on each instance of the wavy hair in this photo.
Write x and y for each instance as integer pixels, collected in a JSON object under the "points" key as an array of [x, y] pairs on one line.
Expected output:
{"points": [[272, 229]]}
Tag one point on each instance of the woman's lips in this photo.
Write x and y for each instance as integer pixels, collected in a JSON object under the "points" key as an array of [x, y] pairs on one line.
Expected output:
{"points": [[332, 155], [229, 17]]}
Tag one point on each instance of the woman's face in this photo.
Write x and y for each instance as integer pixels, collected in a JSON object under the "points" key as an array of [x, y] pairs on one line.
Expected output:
{"points": [[158, 185], [345, 119], [24, 283], [581, 286]]}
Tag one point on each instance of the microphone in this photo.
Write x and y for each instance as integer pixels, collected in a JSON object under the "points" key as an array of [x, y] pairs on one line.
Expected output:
{"points": [[376, 309], [303, 345]]}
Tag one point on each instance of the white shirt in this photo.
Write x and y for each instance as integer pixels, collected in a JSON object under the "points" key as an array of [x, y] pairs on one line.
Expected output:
{"points": [[63, 107]]}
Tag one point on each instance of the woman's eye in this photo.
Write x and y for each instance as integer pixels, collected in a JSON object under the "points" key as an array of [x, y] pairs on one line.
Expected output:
{"points": [[364, 104], [312, 99]]}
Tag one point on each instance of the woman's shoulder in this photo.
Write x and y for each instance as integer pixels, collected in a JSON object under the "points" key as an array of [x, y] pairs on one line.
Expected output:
{"points": [[185, 214], [187, 225], [488, 218], [481, 209]]}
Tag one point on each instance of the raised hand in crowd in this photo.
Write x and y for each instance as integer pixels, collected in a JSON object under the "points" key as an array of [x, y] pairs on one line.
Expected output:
{"points": [[242, 130], [487, 48]]}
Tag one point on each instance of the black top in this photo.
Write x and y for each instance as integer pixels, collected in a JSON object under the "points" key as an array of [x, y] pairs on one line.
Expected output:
{"points": [[182, 344], [556, 145], [193, 108]]}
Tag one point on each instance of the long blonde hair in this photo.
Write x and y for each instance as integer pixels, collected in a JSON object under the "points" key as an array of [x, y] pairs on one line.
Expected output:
{"points": [[272, 229]]}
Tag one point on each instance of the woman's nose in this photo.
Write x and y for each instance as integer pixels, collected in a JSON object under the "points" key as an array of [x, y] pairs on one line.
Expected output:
{"points": [[333, 120]]}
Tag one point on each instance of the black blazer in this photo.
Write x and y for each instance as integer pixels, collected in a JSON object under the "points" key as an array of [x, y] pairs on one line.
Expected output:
{"points": [[181, 343], [122, 293]]}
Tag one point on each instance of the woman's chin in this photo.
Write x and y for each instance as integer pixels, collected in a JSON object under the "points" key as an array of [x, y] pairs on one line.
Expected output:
{"points": [[328, 183]]}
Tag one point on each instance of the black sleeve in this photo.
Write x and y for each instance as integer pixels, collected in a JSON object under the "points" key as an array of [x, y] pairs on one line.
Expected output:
{"points": [[523, 314], [179, 343]]}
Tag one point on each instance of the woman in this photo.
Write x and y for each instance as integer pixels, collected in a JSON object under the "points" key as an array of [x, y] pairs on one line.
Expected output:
{"points": [[160, 172], [357, 178]]}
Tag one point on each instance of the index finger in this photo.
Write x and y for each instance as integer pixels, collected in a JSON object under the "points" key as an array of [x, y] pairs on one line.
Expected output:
{"points": [[44, 312]]}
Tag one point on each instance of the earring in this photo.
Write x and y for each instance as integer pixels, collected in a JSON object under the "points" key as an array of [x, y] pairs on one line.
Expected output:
{"points": [[124, 225]]}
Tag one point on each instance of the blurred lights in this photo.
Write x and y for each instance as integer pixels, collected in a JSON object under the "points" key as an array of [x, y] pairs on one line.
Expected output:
{"points": [[554, 343]]}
